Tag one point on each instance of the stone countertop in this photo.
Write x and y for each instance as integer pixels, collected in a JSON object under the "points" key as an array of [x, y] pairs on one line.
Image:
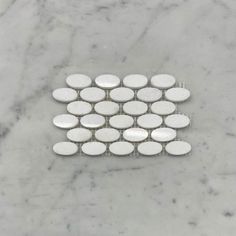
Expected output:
{"points": [[43, 41]]}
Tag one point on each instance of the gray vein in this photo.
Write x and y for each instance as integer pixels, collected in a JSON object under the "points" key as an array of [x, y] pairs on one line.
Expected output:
{"points": [[160, 9], [8, 8]]}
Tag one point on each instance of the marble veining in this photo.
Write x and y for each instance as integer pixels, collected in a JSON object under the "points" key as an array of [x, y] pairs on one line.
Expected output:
{"points": [[42, 41]]}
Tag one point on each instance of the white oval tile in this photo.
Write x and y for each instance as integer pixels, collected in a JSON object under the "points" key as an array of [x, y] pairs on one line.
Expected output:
{"points": [[65, 121], [121, 121], [121, 148], [122, 94], [106, 108], [93, 148], [149, 148], [78, 81], [79, 135], [177, 94], [107, 81], [135, 108], [92, 121], [163, 108], [149, 121], [177, 121], [149, 94], [65, 148], [92, 94], [79, 108], [135, 134], [107, 135], [135, 81], [163, 81], [65, 95], [178, 148], [163, 134]]}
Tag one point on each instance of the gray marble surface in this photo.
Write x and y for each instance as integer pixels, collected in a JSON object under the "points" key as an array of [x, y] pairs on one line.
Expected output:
{"points": [[43, 41]]}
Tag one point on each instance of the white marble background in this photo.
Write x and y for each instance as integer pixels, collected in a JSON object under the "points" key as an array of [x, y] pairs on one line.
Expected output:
{"points": [[41, 41]]}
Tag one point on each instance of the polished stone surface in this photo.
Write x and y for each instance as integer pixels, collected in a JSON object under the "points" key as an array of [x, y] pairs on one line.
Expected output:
{"points": [[121, 148], [65, 148], [107, 135], [92, 121], [93, 148], [79, 135], [149, 121], [178, 148], [149, 94], [42, 42], [106, 108], [121, 94], [135, 108], [177, 121], [135, 81], [79, 108], [177, 94], [78, 81], [163, 81], [64, 95], [163, 134], [92, 94], [121, 121], [135, 134], [107, 81], [163, 107], [65, 121], [149, 148]]}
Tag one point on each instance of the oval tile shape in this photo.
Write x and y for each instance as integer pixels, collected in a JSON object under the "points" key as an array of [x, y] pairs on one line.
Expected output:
{"points": [[122, 94], [178, 148], [121, 121], [177, 94], [92, 94], [107, 135], [79, 108], [79, 135], [107, 81], [65, 121], [135, 134], [78, 81], [177, 121], [121, 148], [149, 121], [65, 95], [92, 121], [135, 81], [163, 81], [163, 108], [163, 134], [106, 108], [93, 148], [65, 148], [149, 148], [135, 108], [149, 94]]}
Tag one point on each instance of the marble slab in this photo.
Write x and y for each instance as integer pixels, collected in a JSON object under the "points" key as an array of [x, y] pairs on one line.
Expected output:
{"points": [[43, 41]]}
